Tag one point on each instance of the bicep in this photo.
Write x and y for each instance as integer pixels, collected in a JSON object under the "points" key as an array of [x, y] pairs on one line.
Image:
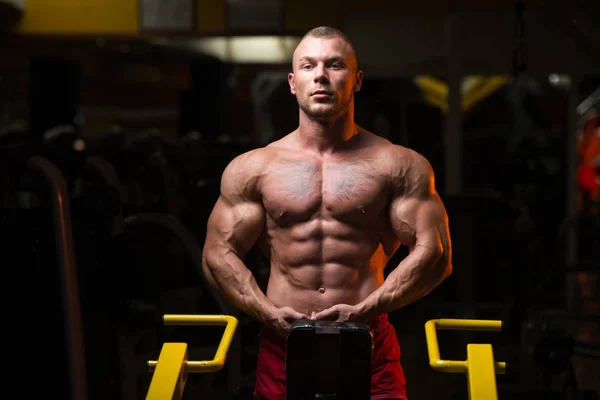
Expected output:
{"points": [[238, 217], [417, 213], [421, 221], [236, 225]]}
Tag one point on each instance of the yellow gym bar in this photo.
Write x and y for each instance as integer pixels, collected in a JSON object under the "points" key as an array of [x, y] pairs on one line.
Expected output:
{"points": [[480, 367], [172, 367]]}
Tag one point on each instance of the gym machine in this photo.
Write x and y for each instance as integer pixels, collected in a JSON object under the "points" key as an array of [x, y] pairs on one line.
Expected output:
{"points": [[172, 366], [350, 344], [480, 367]]}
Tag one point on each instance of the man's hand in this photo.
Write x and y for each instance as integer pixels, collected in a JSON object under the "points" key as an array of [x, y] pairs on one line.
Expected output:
{"points": [[340, 313], [282, 319]]}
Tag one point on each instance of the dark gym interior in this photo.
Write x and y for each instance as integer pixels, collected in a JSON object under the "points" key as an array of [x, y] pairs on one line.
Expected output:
{"points": [[118, 117]]}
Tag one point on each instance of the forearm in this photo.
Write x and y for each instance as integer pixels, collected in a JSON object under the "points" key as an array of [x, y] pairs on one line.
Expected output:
{"points": [[228, 274], [419, 273]]}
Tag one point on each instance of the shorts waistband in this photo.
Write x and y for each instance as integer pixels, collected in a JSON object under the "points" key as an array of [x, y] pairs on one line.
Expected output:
{"points": [[375, 324]]}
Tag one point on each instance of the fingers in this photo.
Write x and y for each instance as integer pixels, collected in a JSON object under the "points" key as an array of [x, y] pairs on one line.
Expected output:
{"points": [[327, 315], [323, 317], [290, 313]]}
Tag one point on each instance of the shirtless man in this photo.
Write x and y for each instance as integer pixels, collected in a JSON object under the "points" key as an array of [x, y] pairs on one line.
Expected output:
{"points": [[329, 204]]}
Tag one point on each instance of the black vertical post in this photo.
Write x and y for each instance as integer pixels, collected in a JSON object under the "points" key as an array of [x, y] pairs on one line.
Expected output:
{"points": [[53, 94]]}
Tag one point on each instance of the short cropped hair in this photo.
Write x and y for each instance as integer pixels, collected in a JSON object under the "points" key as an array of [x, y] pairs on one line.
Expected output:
{"points": [[329, 32]]}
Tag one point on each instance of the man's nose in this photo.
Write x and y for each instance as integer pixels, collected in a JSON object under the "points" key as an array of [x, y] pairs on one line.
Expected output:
{"points": [[321, 74]]}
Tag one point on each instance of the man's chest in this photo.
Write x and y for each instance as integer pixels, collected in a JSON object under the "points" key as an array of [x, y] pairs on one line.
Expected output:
{"points": [[295, 190]]}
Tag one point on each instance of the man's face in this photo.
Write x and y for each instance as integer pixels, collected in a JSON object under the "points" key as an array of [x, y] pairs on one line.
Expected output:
{"points": [[324, 77]]}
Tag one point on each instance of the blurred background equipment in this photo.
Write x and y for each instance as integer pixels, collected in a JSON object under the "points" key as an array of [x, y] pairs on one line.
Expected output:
{"points": [[117, 118]]}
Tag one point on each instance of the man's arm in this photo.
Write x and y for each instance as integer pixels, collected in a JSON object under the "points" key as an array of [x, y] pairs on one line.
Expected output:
{"points": [[234, 226], [420, 221]]}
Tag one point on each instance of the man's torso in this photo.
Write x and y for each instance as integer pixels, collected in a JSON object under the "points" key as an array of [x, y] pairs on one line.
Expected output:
{"points": [[327, 229]]}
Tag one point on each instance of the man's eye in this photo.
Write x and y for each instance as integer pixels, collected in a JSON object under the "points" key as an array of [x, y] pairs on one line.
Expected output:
{"points": [[306, 66]]}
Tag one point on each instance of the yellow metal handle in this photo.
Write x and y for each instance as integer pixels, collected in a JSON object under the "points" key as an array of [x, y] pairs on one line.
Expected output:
{"points": [[168, 380], [456, 324], [218, 362]]}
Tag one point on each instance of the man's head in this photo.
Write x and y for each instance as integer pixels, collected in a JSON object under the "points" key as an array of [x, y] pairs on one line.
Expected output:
{"points": [[325, 73]]}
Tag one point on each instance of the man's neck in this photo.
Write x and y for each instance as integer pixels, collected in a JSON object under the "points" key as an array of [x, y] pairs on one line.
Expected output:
{"points": [[326, 136]]}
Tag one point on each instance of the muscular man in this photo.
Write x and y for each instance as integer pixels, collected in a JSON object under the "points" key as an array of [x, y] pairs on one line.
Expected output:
{"points": [[329, 203]]}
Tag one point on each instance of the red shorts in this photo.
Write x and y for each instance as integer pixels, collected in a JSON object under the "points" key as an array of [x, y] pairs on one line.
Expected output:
{"points": [[387, 377]]}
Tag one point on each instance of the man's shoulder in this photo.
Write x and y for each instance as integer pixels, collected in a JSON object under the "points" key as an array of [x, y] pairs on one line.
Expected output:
{"points": [[394, 153], [252, 161], [240, 176], [403, 158], [410, 171]]}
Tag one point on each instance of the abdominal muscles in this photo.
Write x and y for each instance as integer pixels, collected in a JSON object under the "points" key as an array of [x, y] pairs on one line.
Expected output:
{"points": [[321, 262]]}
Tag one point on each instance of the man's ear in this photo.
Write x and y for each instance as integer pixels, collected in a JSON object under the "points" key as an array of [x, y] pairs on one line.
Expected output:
{"points": [[358, 81], [292, 83]]}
